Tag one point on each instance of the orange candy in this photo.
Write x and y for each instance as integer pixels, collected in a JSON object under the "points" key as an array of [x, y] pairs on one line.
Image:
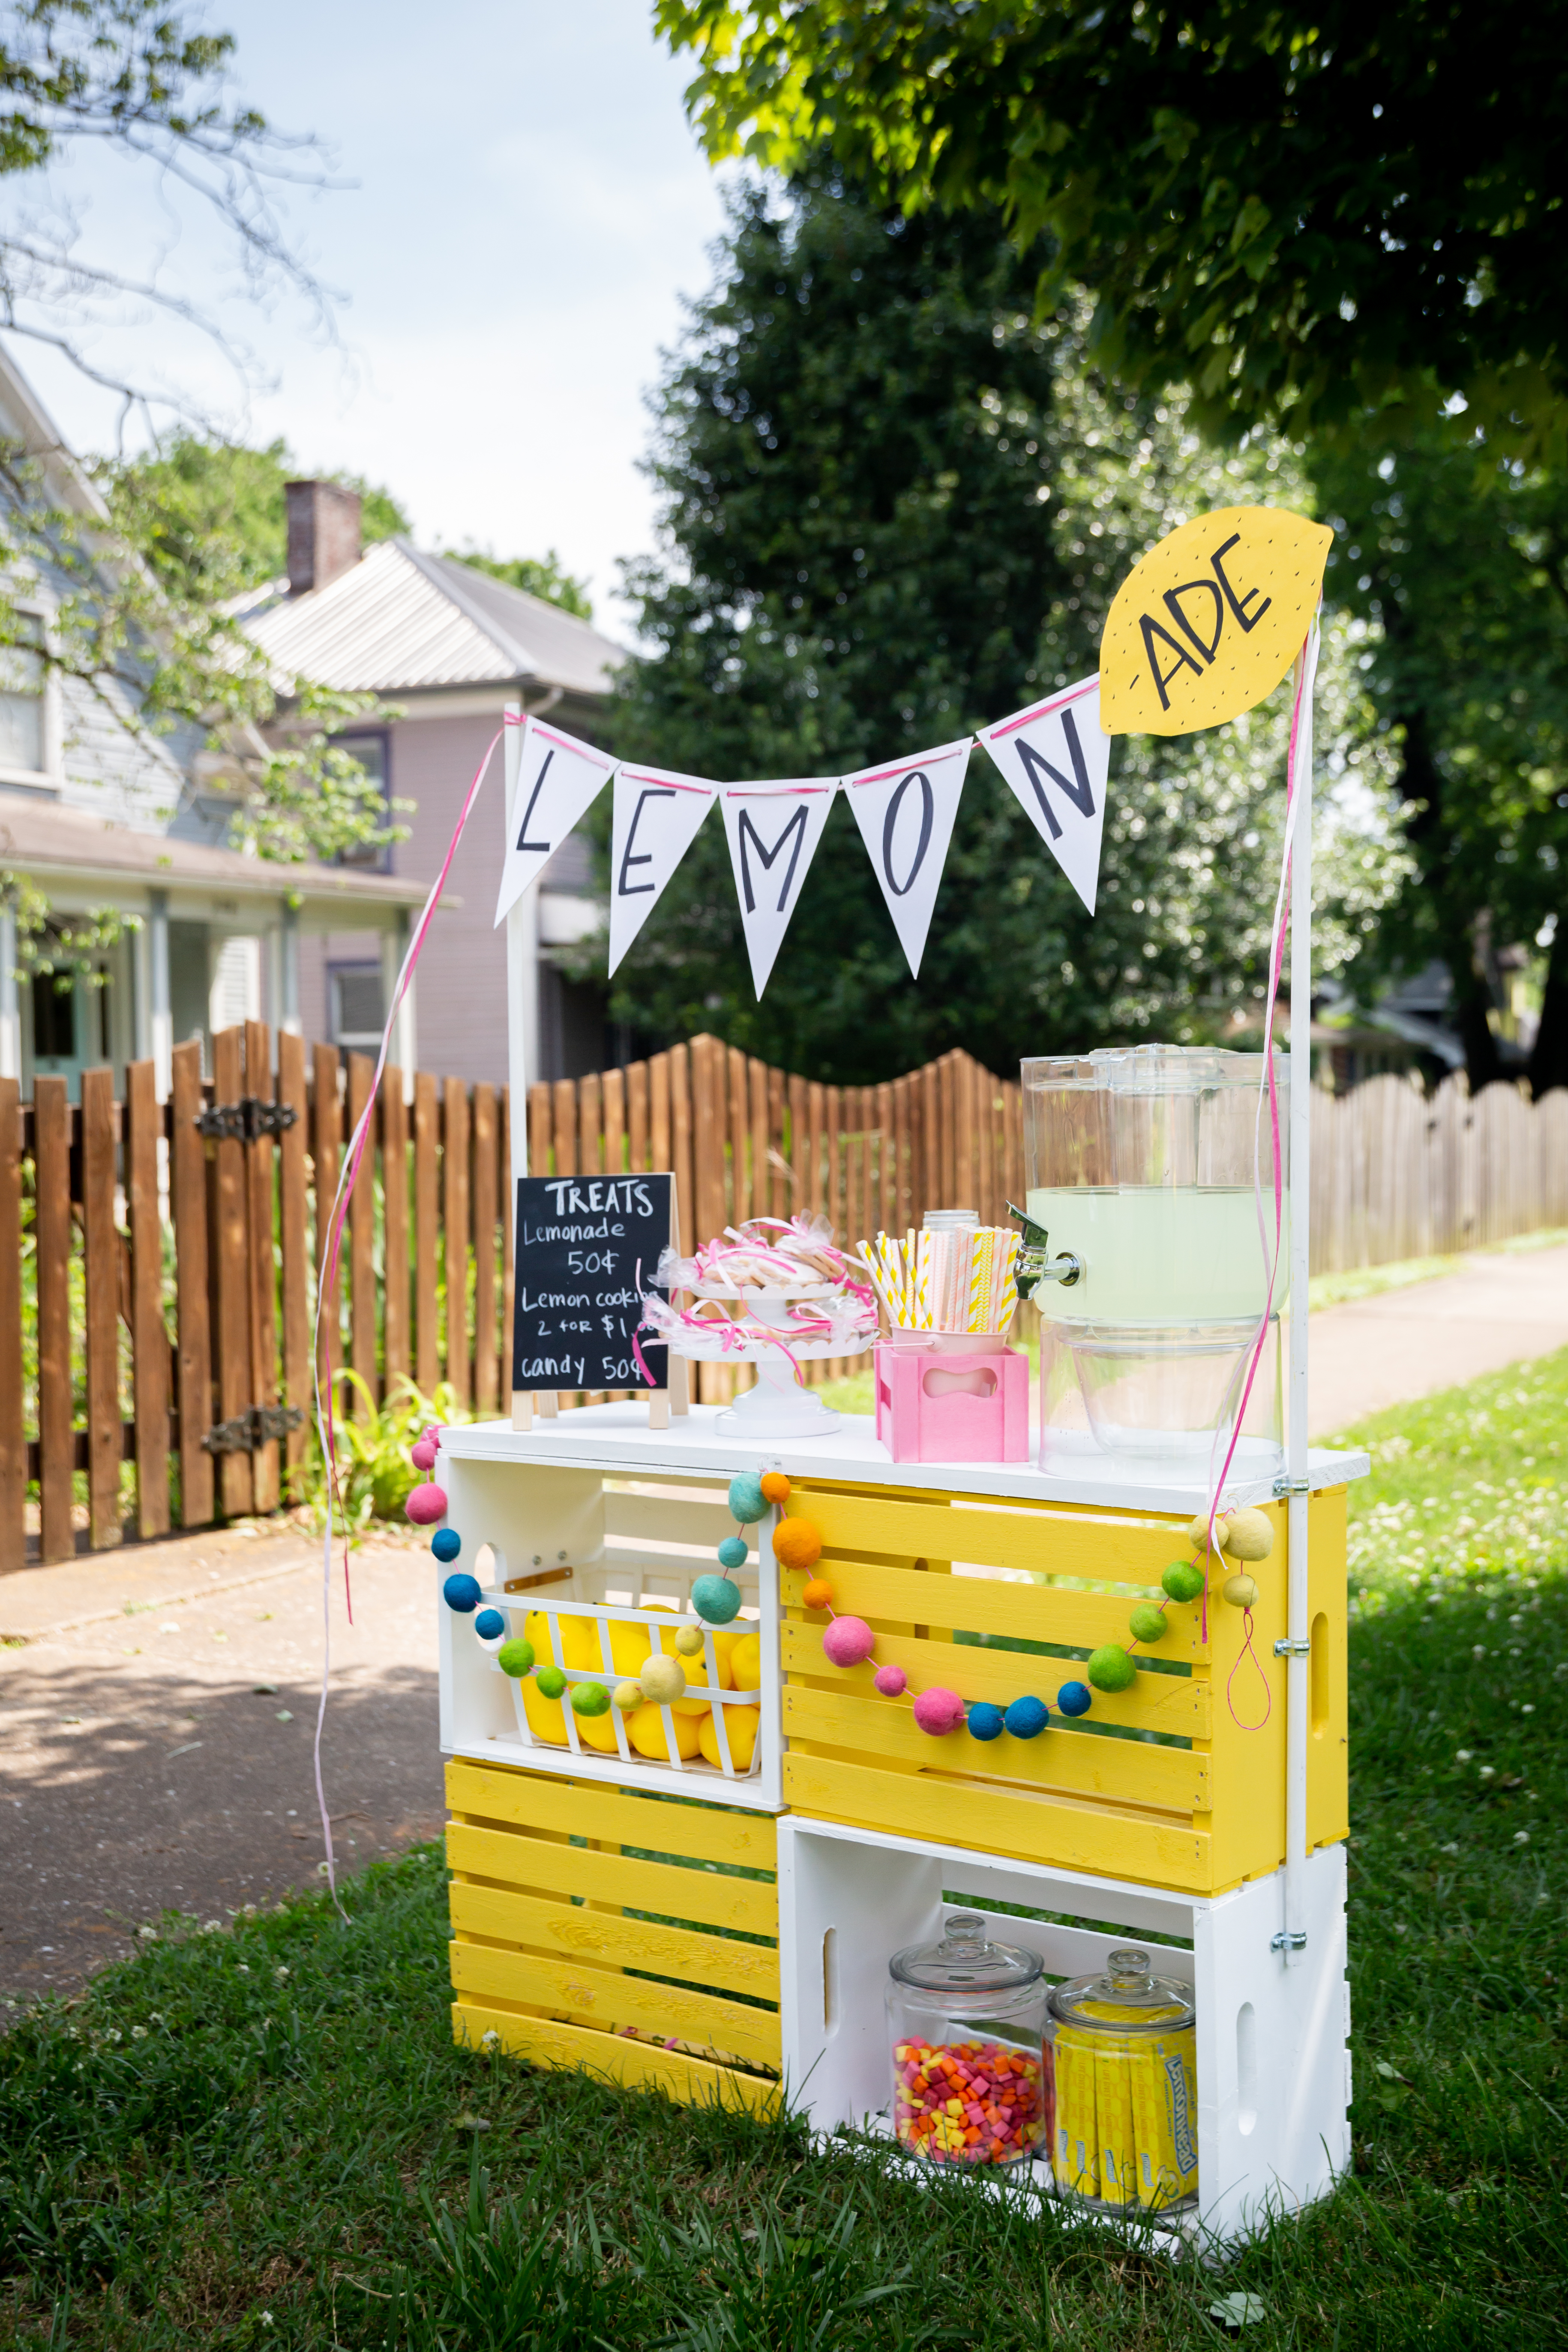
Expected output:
{"points": [[775, 1485], [797, 1543], [817, 1593]]}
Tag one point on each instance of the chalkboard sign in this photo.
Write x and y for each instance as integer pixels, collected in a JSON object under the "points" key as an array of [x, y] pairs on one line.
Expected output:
{"points": [[587, 1247]]}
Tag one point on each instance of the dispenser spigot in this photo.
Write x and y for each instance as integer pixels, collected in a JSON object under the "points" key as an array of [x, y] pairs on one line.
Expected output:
{"points": [[1035, 1263]]}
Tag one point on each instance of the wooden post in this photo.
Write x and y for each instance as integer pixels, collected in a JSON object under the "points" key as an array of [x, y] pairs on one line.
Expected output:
{"points": [[231, 1237], [487, 1211], [51, 1258], [637, 1118], [394, 1229], [329, 1129], [293, 1218], [13, 1427], [188, 1193], [455, 1206], [614, 1122], [426, 1134], [362, 1242], [263, 1269], [149, 1338], [102, 1284]]}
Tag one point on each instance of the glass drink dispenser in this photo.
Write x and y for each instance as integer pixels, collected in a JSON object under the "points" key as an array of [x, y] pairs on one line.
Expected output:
{"points": [[1151, 1188]]}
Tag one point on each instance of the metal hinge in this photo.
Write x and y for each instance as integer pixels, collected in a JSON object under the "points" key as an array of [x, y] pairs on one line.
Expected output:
{"points": [[1288, 1939], [1284, 1485], [1284, 1648], [245, 1121], [259, 1424]]}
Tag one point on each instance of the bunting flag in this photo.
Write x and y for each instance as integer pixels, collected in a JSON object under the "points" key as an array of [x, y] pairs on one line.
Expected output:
{"points": [[1057, 756], [906, 816], [557, 778], [772, 831], [656, 820]]}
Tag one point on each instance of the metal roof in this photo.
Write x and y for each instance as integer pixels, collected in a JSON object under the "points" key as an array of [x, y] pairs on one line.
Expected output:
{"points": [[400, 621]]}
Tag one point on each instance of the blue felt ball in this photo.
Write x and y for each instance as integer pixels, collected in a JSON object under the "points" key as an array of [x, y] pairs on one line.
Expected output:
{"points": [[446, 1543], [716, 1600], [1028, 1717], [733, 1552], [489, 1624], [1075, 1698], [984, 1721], [747, 1500], [461, 1594]]}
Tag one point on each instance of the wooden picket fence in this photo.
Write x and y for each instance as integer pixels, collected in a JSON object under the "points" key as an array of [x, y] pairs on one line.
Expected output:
{"points": [[159, 1261]]}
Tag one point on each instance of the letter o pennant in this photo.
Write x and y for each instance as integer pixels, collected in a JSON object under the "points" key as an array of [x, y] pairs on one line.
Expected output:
{"points": [[1210, 620]]}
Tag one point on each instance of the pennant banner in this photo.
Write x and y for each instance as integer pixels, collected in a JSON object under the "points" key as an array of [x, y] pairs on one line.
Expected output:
{"points": [[906, 817], [656, 820], [558, 777], [1057, 756], [772, 831]]}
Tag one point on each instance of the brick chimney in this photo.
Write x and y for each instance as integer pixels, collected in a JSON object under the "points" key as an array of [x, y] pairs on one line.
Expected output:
{"points": [[323, 534]]}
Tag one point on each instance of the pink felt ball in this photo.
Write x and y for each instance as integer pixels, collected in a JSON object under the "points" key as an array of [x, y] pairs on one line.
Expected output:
{"points": [[425, 1504], [422, 1456], [849, 1640], [431, 1434], [939, 1712], [890, 1681]]}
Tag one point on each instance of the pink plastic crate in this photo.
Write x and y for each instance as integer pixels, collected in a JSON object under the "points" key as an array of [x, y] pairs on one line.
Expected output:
{"points": [[950, 1397]]}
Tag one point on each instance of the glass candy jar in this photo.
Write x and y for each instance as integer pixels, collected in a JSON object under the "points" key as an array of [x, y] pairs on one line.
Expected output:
{"points": [[1124, 2078], [966, 2026]]}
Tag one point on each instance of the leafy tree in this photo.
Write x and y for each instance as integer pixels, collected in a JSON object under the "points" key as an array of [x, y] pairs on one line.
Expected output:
{"points": [[896, 507], [210, 517], [1301, 211], [1459, 560], [545, 576]]}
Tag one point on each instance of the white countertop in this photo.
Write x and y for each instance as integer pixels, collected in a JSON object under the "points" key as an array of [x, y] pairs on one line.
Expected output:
{"points": [[617, 1439]]}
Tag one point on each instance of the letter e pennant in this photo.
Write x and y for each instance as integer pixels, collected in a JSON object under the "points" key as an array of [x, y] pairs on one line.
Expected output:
{"points": [[906, 817], [772, 830], [656, 821], [557, 777], [1057, 756]]}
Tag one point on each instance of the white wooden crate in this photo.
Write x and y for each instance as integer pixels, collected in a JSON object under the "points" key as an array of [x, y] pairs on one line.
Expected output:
{"points": [[572, 1540], [1273, 2061]]}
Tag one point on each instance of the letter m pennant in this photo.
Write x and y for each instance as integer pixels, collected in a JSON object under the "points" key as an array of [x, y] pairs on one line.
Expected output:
{"points": [[773, 830], [1056, 757]]}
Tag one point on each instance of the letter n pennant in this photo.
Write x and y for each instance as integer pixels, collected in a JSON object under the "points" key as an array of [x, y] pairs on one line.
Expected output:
{"points": [[656, 821], [906, 817], [1056, 757], [557, 777], [772, 830]]}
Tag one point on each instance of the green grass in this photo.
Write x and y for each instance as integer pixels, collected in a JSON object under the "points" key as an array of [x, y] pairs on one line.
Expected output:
{"points": [[206, 2151]]}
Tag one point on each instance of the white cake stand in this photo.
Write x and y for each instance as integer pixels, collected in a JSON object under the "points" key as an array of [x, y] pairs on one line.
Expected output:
{"points": [[779, 1405]]}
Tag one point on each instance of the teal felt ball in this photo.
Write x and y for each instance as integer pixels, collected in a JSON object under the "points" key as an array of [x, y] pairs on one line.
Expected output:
{"points": [[461, 1593], [552, 1682], [716, 1600], [747, 1500], [1075, 1698], [489, 1624], [733, 1552], [446, 1543], [984, 1721], [515, 1658], [1026, 1717]]}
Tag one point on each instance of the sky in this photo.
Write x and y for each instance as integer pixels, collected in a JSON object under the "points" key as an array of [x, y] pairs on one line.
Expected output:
{"points": [[528, 207]]}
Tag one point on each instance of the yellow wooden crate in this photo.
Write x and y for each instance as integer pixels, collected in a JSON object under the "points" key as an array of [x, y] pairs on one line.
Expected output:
{"points": [[1200, 1815], [593, 1925]]}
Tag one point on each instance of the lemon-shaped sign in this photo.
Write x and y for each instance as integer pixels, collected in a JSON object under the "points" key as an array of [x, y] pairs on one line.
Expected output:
{"points": [[1208, 621]]}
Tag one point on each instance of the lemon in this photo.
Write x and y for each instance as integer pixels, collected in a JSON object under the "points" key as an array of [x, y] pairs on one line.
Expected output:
{"points": [[644, 1729], [579, 1640], [743, 1723], [746, 1664]]}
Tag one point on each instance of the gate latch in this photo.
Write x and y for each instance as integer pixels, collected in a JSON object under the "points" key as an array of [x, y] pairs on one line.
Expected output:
{"points": [[245, 1121], [259, 1424]]}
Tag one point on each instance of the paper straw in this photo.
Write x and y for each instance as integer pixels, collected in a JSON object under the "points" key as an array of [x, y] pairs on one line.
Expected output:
{"points": [[980, 1286]]}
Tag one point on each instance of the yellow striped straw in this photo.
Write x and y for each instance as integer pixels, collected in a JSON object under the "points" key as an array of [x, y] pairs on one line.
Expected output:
{"points": [[980, 1280]]}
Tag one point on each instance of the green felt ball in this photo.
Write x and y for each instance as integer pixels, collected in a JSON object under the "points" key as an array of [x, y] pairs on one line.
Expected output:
{"points": [[747, 1500], [590, 1698], [552, 1682], [716, 1599], [1111, 1668], [1147, 1622], [515, 1658], [1182, 1580], [733, 1552]]}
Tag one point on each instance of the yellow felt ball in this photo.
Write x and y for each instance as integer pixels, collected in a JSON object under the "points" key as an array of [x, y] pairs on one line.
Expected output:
{"points": [[689, 1642], [743, 1723], [1198, 1532], [625, 1695], [1250, 1536], [545, 1720], [746, 1664], [1240, 1591], [663, 1680], [644, 1729]]}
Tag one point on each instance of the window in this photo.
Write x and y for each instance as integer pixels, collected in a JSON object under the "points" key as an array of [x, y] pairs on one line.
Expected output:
{"points": [[369, 752], [23, 747], [359, 1006], [54, 1018]]}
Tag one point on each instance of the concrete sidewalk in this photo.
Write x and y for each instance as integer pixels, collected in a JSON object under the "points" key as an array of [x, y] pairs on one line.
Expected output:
{"points": [[160, 1714]]}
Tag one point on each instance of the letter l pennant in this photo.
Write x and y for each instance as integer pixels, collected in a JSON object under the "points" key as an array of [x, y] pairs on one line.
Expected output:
{"points": [[772, 830], [1056, 757], [557, 778], [656, 821]]}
